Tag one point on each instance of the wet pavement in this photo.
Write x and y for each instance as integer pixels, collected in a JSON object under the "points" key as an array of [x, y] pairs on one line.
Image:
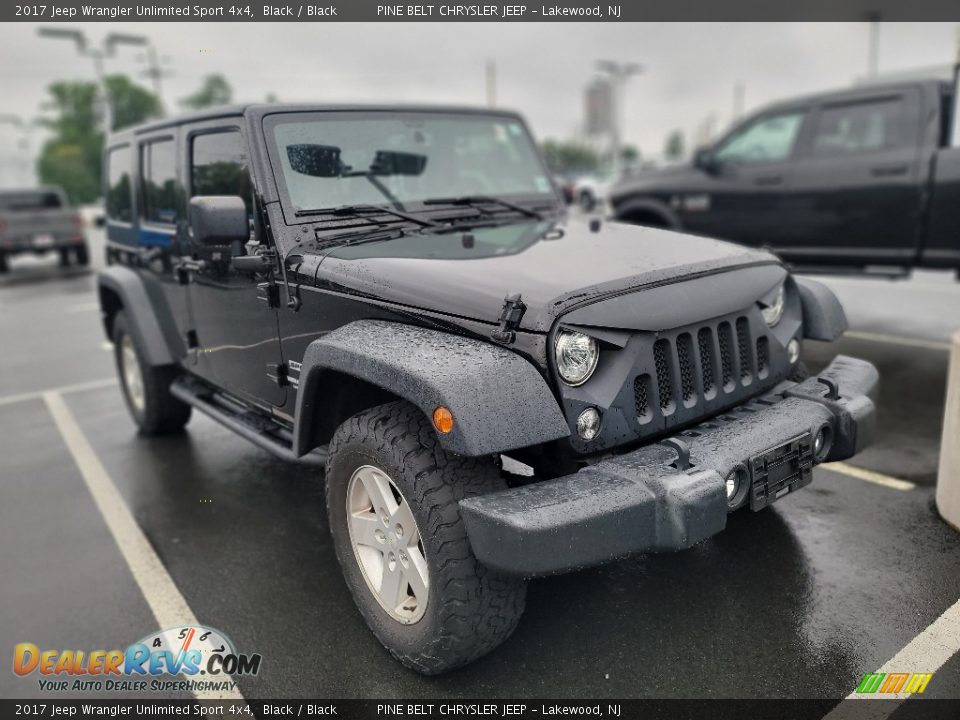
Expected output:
{"points": [[799, 600]]}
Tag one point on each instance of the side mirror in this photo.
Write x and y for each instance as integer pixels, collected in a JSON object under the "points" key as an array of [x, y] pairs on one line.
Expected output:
{"points": [[219, 220], [704, 159]]}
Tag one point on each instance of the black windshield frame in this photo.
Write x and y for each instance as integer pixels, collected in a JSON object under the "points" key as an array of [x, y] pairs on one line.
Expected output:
{"points": [[290, 211]]}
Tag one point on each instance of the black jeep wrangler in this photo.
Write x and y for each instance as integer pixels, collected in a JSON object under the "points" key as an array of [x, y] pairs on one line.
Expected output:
{"points": [[494, 390]]}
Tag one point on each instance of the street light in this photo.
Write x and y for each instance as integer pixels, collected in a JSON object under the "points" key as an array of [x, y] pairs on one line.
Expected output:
{"points": [[24, 127], [618, 73], [97, 54]]}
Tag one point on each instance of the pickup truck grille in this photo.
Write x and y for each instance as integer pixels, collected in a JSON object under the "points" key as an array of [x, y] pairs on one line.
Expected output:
{"points": [[688, 363]]}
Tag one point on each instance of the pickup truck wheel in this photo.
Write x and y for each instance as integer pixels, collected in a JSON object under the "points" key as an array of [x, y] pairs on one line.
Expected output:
{"points": [[3, 262], [64, 257], [83, 256], [392, 500], [146, 388]]}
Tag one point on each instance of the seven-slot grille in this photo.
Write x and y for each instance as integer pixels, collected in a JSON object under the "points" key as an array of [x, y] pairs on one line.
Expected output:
{"points": [[698, 365]]}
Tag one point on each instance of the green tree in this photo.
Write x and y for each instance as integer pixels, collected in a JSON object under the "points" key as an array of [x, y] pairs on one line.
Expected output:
{"points": [[674, 147], [71, 157], [569, 158], [215, 90], [132, 104]]}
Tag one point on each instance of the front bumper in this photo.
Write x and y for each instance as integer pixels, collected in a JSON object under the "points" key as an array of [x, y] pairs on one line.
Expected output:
{"points": [[641, 502]]}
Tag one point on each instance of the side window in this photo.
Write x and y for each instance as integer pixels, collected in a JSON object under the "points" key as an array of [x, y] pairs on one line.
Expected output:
{"points": [[119, 200], [158, 170], [767, 139], [859, 127], [218, 166]]}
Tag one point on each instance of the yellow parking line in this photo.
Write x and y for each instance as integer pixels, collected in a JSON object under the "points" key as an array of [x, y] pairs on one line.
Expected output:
{"points": [[898, 340], [869, 476]]}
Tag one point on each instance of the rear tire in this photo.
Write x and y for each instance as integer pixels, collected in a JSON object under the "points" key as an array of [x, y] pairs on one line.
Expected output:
{"points": [[146, 388], [64, 257], [464, 609], [83, 256], [3, 263]]}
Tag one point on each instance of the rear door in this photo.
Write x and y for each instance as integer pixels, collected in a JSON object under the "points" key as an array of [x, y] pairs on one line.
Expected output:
{"points": [[855, 194]]}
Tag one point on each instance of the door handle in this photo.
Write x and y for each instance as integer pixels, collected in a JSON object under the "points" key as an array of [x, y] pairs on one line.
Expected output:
{"points": [[768, 180], [889, 170]]}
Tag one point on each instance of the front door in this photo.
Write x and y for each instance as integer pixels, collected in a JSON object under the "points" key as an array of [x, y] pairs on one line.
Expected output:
{"points": [[236, 333], [742, 198]]}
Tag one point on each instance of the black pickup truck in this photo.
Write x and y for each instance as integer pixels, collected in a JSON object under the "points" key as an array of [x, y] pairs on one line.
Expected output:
{"points": [[862, 179]]}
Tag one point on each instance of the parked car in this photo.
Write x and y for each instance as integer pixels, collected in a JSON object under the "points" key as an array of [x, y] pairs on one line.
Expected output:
{"points": [[397, 297], [39, 221], [590, 191], [868, 176]]}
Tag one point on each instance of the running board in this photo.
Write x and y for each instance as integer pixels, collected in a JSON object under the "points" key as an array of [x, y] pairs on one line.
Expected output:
{"points": [[255, 426]]}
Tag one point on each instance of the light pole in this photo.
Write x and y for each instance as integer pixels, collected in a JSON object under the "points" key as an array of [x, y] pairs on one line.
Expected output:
{"points": [[24, 126], [873, 48], [618, 73], [98, 55]]}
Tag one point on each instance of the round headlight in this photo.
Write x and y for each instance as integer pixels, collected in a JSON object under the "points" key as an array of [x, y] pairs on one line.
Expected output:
{"points": [[577, 356], [774, 311]]}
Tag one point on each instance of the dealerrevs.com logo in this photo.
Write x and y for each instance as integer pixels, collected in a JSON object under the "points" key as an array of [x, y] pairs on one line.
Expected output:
{"points": [[151, 664]]}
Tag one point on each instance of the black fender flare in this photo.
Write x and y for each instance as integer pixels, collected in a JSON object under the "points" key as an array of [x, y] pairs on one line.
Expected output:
{"points": [[823, 315], [630, 204], [146, 308], [499, 400]]}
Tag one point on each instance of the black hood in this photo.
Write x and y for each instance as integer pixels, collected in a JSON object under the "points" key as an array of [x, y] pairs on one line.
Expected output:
{"points": [[556, 267]]}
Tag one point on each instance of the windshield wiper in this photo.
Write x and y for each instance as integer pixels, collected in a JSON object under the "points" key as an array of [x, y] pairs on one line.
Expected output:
{"points": [[366, 209], [474, 200]]}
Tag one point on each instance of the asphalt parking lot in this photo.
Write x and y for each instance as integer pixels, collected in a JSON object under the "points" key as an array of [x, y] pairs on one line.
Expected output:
{"points": [[799, 600]]}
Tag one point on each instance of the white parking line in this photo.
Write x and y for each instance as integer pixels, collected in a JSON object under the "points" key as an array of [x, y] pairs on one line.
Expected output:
{"points": [[926, 653], [63, 390], [898, 340], [83, 307], [162, 595], [869, 475]]}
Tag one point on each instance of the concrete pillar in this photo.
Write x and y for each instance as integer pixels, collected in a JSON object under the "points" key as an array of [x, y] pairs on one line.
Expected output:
{"points": [[948, 476]]}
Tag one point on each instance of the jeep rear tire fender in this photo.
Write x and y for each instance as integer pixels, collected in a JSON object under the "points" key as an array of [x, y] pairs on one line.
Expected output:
{"points": [[145, 306], [823, 315], [499, 400], [647, 212]]}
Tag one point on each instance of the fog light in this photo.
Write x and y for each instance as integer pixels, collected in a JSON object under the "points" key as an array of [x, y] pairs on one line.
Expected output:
{"points": [[588, 424], [793, 351], [737, 485], [733, 484], [822, 442]]}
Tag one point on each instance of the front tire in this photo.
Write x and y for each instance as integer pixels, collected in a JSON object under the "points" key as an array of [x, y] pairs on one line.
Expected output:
{"points": [[146, 388], [393, 502]]}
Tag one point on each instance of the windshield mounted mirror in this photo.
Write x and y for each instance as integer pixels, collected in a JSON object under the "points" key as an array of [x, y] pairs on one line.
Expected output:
{"points": [[388, 162], [315, 160]]}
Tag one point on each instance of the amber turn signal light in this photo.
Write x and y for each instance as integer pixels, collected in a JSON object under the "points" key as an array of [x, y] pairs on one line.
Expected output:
{"points": [[443, 420]]}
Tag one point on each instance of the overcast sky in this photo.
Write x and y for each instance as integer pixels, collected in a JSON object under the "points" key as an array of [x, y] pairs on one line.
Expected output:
{"points": [[691, 69]]}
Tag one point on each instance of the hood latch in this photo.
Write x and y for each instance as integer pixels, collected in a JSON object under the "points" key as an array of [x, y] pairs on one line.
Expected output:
{"points": [[510, 316]]}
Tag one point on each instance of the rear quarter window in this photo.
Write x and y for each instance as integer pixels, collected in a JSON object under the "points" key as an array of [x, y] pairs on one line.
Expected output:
{"points": [[119, 193], [160, 190]]}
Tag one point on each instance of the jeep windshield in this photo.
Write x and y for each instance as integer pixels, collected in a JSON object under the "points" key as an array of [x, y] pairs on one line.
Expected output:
{"points": [[474, 165]]}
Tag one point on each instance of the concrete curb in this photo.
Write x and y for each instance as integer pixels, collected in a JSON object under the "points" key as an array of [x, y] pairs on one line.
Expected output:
{"points": [[948, 475]]}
